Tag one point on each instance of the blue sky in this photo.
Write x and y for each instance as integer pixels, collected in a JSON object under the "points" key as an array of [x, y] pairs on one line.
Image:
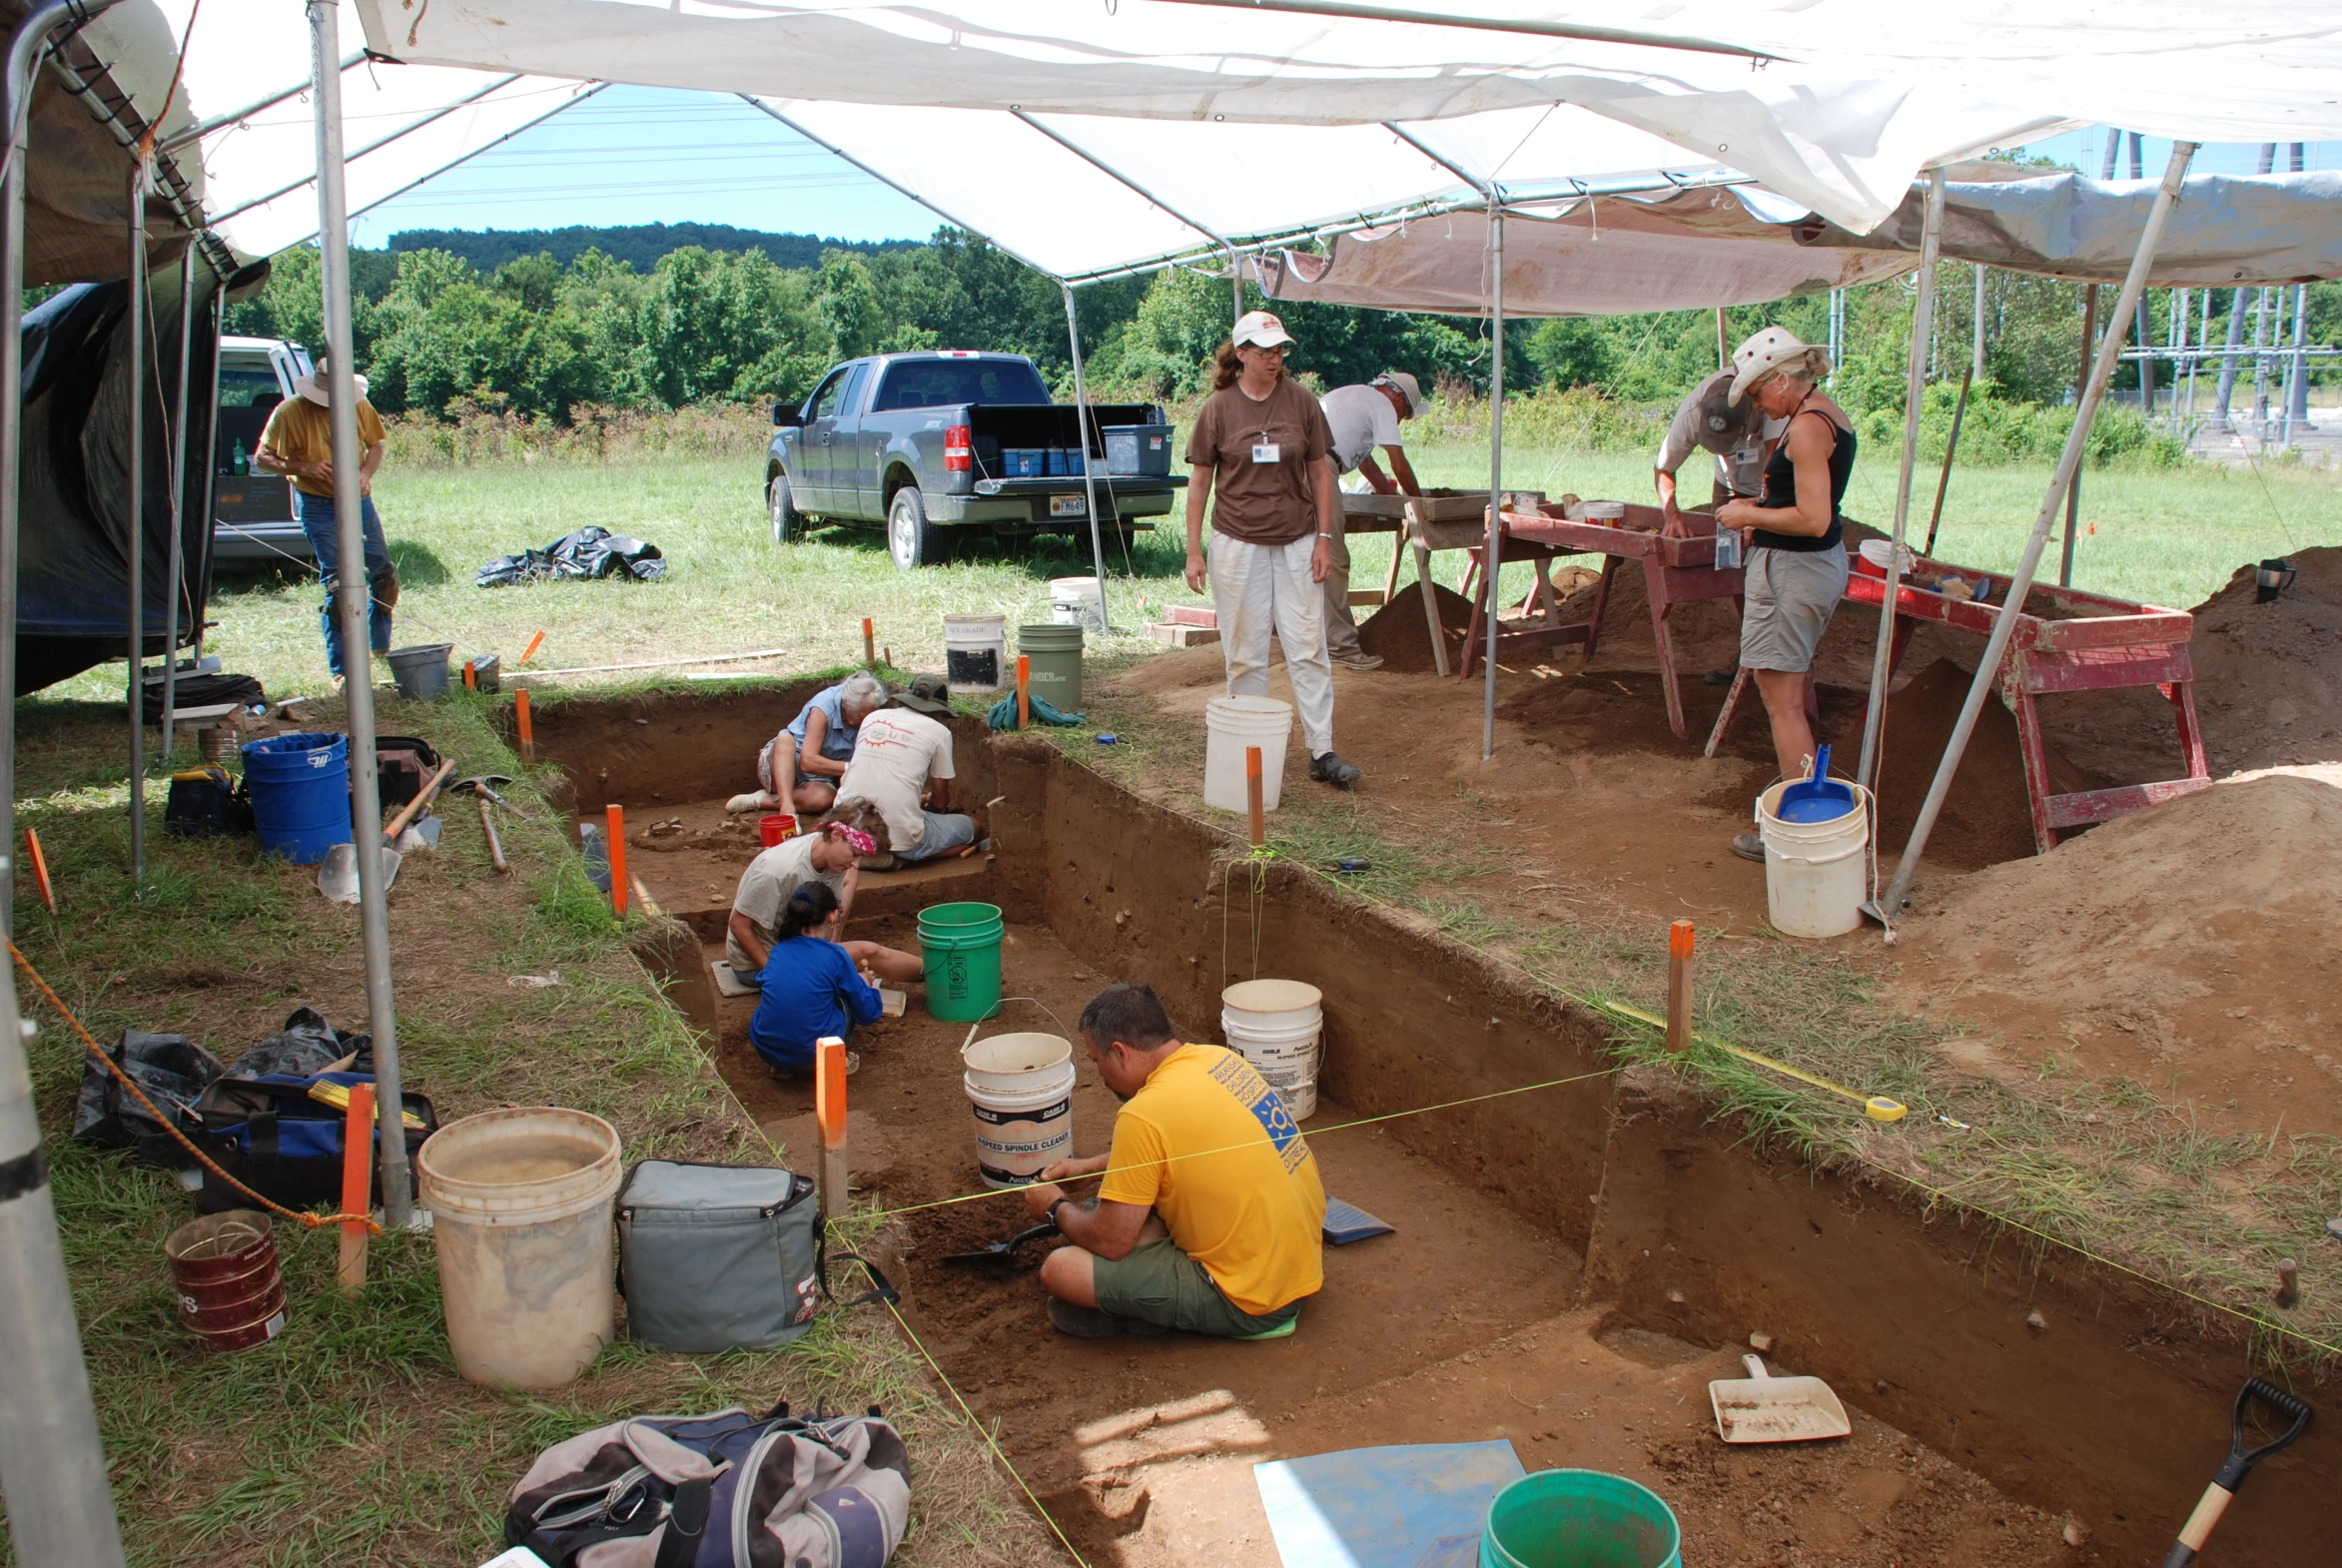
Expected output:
{"points": [[638, 155]]}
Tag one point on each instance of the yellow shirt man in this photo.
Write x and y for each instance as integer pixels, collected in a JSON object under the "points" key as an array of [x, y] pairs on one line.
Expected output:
{"points": [[301, 435]]}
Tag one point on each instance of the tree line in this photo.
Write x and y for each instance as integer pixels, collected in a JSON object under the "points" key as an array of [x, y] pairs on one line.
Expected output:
{"points": [[539, 338]]}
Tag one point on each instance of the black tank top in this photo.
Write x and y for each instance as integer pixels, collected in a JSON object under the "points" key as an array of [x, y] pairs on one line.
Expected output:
{"points": [[1781, 489]]}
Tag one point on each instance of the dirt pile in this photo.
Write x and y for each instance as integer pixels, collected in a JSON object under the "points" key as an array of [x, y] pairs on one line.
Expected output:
{"points": [[1987, 817], [2194, 936], [2268, 686], [1396, 634]]}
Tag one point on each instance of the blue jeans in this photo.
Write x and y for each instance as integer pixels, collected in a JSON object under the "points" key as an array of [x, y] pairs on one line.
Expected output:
{"points": [[317, 521], [945, 831]]}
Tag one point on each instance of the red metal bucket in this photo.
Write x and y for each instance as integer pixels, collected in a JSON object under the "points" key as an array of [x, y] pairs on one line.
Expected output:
{"points": [[229, 1289]]}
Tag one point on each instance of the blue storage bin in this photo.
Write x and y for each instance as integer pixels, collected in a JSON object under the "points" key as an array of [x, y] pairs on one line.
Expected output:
{"points": [[300, 787], [1026, 463]]}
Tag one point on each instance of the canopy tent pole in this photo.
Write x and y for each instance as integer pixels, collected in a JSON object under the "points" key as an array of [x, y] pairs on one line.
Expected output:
{"points": [[1495, 565], [1088, 428], [2005, 624], [2089, 348], [1914, 387], [218, 311], [178, 501], [133, 517], [1975, 363], [352, 592]]}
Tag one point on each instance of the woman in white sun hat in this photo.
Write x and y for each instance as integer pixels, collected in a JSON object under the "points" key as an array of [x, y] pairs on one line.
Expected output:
{"points": [[1795, 542], [1259, 450]]}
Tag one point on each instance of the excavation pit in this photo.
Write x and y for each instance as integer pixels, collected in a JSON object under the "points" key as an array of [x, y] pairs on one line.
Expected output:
{"points": [[1572, 1264]]}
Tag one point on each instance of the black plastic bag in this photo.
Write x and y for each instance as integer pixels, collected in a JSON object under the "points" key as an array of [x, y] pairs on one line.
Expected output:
{"points": [[200, 692], [589, 552], [172, 1069], [307, 1046]]}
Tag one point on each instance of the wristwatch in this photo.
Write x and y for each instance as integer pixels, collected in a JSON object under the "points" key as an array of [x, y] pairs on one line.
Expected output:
{"points": [[1055, 1206]]}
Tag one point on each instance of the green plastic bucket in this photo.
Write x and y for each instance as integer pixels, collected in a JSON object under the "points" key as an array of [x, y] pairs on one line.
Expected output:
{"points": [[1580, 1519], [962, 945], [1054, 654]]}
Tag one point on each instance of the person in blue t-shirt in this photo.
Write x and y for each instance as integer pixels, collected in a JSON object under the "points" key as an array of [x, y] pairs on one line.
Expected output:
{"points": [[815, 985], [799, 768]]}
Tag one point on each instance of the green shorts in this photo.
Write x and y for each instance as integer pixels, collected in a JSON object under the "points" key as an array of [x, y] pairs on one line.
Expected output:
{"points": [[1158, 1283]]}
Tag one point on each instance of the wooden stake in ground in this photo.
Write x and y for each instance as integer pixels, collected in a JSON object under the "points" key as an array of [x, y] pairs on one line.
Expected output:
{"points": [[534, 643], [31, 852], [869, 642], [829, 1112], [1679, 986], [527, 734], [1252, 801], [1024, 691], [358, 1164], [614, 819]]}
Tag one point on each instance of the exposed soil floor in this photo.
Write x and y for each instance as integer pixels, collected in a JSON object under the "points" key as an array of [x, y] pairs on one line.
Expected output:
{"points": [[1466, 1325]]}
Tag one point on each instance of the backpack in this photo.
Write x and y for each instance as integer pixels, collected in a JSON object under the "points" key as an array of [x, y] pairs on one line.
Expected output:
{"points": [[728, 1490]]}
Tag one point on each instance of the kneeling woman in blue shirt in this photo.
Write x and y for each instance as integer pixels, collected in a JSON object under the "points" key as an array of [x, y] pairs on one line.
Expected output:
{"points": [[814, 985]]}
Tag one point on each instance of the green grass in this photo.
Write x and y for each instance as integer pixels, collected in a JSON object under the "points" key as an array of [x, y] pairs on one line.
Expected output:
{"points": [[349, 1439]]}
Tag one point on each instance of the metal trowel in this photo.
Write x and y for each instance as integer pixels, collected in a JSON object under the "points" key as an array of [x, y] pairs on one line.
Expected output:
{"points": [[1004, 1252]]}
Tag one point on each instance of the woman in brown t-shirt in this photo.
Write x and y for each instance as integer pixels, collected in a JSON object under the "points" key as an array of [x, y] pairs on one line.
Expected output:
{"points": [[1260, 449]]}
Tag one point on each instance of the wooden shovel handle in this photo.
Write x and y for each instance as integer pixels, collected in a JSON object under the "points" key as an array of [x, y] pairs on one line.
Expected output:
{"points": [[495, 845], [422, 798]]}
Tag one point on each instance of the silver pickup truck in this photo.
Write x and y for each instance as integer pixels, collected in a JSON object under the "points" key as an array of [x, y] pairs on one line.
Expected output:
{"points": [[952, 439]]}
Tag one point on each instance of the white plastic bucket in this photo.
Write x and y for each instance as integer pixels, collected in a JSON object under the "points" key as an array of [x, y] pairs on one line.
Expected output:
{"points": [[1229, 725], [976, 656], [1072, 601], [1278, 1027], [1021, 1092], [1814, 872], [520, 1204]]}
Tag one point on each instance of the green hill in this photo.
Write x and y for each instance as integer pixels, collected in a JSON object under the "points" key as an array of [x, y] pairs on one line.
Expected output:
{"points": [[641, 244]]}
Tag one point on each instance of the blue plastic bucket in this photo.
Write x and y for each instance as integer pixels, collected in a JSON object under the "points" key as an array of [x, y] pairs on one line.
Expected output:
{"points": [[1580, 1519], [300, 794]]}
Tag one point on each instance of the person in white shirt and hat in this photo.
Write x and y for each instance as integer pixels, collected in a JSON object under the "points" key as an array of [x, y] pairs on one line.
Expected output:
{"points": [[1363, 418], [1738, 435], [298, 442]]}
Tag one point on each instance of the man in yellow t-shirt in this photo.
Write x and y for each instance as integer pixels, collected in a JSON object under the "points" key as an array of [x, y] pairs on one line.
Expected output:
{"points": [[299, 444], [1210, 1218]]}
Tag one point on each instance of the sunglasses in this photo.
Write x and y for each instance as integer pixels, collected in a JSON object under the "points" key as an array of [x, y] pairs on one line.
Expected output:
{"points": [[1278, 351]]}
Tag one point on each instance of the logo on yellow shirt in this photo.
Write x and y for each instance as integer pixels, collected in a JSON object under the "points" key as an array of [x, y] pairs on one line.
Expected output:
{"points": [[1238, 1076]]}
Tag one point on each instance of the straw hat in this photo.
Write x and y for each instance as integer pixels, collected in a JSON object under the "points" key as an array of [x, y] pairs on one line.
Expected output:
{"points": [[312, 387], [1771, 349]]}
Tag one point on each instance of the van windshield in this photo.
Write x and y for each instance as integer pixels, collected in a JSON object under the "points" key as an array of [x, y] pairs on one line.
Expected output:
{"points": [[929, 384]]}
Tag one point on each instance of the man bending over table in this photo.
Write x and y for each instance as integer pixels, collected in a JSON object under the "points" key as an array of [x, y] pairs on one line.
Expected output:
{"points": [[1211, 1217]]}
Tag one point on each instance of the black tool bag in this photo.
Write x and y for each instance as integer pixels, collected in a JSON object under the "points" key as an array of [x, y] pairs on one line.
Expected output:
{"points": [[728, 1490], [270, 1135], [404, 764], [204, 803]]}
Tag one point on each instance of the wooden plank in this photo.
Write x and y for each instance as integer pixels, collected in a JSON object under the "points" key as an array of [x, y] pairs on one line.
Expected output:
{"points": [[2102, 805], [2110, 631], [1179, 636], [1192, 615], [2105, 669]]}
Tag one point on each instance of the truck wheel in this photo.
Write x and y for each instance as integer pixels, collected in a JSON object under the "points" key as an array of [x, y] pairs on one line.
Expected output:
{"points": [[788, 522], [910, 538]]}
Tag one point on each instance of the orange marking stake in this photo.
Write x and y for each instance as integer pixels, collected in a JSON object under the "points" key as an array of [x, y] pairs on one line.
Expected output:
{"points": [[31, 852], [1253, 796], [528, 733], [534, 643], [829, 1111], [1679, 986], [1024, 691], [869, 641], [616, 818], [358, 1164]]}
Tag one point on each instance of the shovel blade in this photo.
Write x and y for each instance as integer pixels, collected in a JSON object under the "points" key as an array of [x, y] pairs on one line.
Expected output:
{"points": [[337, 875]]}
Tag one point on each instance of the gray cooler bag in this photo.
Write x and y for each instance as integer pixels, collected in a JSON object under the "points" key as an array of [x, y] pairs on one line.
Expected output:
{"points": [[718, 1257]]}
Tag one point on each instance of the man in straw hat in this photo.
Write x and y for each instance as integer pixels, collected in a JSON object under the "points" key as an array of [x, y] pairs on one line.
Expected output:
{"points": [[299, 444]]}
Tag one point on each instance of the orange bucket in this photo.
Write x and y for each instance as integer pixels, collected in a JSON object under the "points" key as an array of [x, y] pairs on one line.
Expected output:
{"points": [[776, 829]]}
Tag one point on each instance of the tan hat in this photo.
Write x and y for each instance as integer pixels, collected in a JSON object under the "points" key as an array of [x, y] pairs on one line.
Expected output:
{"points": [[1260, 329], [1408, 388], [312, 387], [1767, 352]]}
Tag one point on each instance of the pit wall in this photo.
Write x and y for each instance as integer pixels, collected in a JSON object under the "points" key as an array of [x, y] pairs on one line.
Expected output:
{"points": [[2115, 1409]]}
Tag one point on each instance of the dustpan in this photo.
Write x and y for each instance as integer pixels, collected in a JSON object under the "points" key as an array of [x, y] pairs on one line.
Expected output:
{"points": [[1760, 1408], [1819, 798]]}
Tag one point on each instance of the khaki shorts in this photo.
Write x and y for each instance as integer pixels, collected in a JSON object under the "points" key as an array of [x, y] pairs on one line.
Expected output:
{"points": [[1158, 1283], [1790, 595]]}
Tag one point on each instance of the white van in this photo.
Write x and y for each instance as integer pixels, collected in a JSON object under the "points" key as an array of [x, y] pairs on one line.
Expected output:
{"points": [[252, 512]]}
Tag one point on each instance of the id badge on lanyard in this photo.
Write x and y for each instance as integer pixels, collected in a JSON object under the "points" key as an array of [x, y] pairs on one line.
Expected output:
{"points": [[1264, 451]]}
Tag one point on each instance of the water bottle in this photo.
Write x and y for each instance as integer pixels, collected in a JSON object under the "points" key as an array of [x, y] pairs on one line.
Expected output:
{"points": [[1727, 549], [240, 464]]}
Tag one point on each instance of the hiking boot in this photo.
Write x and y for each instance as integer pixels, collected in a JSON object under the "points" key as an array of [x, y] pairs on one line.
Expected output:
{"points": [[1356, 659], [1748, 846], [754, 800], [1329, 768], [1087, 1323]]}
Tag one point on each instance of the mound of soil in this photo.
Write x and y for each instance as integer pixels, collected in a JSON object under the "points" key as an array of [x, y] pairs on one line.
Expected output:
{"points": [[2268, 686], [2196, 936], [1396, 634], [1986, 818]]}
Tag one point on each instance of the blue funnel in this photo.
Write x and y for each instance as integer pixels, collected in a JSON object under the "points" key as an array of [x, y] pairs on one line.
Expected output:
{"points": [[1817, 799]]}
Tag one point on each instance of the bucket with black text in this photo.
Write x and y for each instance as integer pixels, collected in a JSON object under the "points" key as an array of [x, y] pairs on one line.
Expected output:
{"points": [[1021, 1092]]}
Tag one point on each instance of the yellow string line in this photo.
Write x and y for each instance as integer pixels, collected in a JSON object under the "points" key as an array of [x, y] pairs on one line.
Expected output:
{"points": [[1338, 1127], [2077, 1249], [985, 1432]]}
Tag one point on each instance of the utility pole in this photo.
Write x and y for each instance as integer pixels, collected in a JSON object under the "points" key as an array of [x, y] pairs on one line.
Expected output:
{"points": [[2222, 419]]}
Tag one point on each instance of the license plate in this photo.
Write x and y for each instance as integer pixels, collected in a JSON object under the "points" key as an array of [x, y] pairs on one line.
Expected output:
{"points": [[1067, 506]]}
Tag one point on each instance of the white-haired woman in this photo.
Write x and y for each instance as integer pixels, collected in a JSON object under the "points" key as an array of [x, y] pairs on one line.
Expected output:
{"points": [[807, 759], [1796, 541]]}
